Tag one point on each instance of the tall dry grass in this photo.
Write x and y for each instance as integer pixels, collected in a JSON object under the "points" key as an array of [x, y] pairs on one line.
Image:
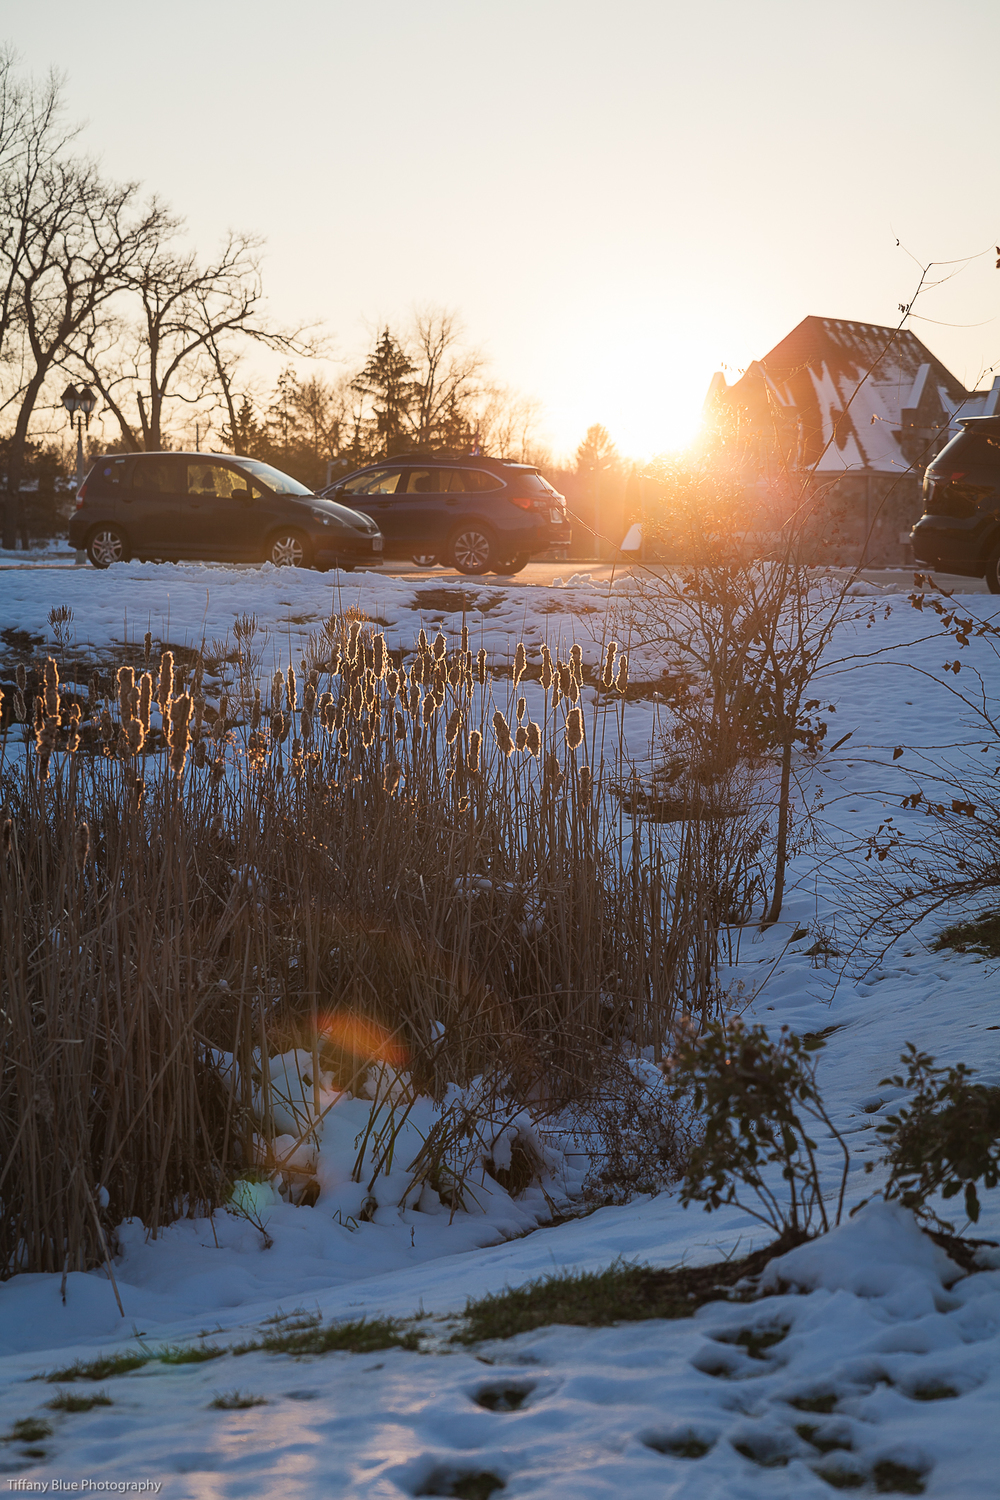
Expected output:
{"points": [[367, 848]]}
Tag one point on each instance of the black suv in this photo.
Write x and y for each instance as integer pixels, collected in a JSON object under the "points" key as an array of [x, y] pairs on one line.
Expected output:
{"points": [[214, 507], [479, 515], [959, 531]]}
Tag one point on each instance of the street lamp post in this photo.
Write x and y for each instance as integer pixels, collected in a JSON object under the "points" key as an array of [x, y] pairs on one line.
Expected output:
{"points": [[79, 401]]}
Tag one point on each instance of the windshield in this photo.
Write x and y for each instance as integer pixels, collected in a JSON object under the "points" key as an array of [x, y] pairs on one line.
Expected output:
{"points": [[281, 484]]}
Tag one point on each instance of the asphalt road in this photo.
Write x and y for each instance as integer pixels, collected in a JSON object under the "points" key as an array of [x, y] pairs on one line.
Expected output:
{"points": [[534, 573]]}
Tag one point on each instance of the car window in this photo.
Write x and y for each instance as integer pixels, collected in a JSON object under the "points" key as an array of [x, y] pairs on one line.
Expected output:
{"points": [[529, 482], [381, 482], [214, 479], [278, 482], [156, 475], [478, 481], [435, 482]]}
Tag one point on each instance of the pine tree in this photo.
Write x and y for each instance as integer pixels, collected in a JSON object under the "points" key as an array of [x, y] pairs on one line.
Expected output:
{"points": [[386, 379]]}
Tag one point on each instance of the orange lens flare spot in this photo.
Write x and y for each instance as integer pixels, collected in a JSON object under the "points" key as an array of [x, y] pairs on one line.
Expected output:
{"points": [[362, 1038]]}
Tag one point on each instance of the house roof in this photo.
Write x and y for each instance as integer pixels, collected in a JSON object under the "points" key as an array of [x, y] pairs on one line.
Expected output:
{"points": [[853, 397]]}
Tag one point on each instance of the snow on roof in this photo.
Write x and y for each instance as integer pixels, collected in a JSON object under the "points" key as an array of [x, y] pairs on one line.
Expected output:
{"points": [[853, 397]]}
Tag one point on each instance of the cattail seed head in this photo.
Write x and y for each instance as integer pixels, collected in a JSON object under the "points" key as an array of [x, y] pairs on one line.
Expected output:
{"points": [[390, 777], [39, 715], [6, 837], [534, 739], [475, 744], [145, 700], [414, 699], [520, 662], [256, 710], [277, 691], [621, 680], [521, 737], [422, 639], [440, 645], [454, 725], [465, 639], [553, 771], [20, 707], [574, 729], [134, 736], [107, 727], [522, 704], [335, 662], [279, 727], [292, 690], [201, 753], [546, 668], [400, 729], [392, 683], [565, 679], [353, 637], [147, 646], [126, 687], [178, 735], [586, 783], [344, 743], [502, 731], [165, 686], [463, 803], [81, 845], [21, 676], [481, 665], [608, 675], [370, 680], [576, 661], [429, 707], [309, 697], [455, 672], [51, 688], [379, 656], [73, 742], [305, 726]]}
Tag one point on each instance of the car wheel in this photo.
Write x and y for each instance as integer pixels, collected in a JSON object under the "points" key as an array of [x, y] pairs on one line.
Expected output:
{"points": [[107, 545], [473, 549], [513, 564], [993, 571], [425, 559], [288, 549]]}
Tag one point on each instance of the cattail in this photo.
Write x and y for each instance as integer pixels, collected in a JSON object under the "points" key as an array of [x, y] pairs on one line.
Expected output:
{"points": [[201, 753], [456, 672], [277, 691], [440, 645], [553, 771], [165, 686], [291, 690], [256, 710], [534, 739], [21, 677], [306, 725], [344, 743], [475, 743], [335, 662], [392, 683], [309, 697], [107, 727], [134, 737], [179, 737], [520, 663], [465, 639], [138, 793], [145, 700], [73, 741], [586, 783], [621, 681], [463, 803], [414, 704], [369, 688], [147, 647], [521, 737], [429, 707], [576, 661], [379, 656], [51, 689], [421, 639], [481, 665], [607, 677], [400, 728], [39, 715], [20, 707], [502, 731], [565, 679], [454, 725], [93, 691], [126, 687], [522, 704], [390, 777], [574, 729], [279, 727], [546, 668], [221, 718], [6, 837], [353, 636], [81, 845], [219, 769]]}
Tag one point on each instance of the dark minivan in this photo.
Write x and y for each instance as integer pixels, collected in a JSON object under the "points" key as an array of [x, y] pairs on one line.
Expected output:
{"points": [[959, 531], [216, 508], [478, 515]]}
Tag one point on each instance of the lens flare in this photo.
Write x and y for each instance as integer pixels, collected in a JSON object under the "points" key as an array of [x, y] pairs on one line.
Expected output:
{"points": [[362, 1038]]}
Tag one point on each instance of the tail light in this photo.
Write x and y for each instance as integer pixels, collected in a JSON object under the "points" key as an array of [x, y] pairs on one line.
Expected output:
{"points": [[81, 494], [530, 502]]}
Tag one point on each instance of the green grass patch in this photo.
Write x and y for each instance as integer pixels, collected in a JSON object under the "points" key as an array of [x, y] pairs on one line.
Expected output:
{"points": [[364, 1336], [236, 1401], [822, 1403], [933, 1393], [594, 1299], [979, 935], [841, 1479], [823, 1442], [679, 1445], [756, 1341], [897, 1479], [29, 1430], [69, 1401], [100, 1368], [189, 1354]]}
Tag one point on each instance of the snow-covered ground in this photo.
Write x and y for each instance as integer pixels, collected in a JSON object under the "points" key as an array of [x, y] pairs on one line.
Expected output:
{"points": [[876, 1319]]}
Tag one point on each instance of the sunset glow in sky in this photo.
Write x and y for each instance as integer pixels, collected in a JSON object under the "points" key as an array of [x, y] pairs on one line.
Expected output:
{"points": [[617, 199]]}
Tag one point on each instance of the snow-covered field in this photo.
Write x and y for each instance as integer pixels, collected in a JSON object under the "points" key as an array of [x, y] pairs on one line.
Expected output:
{"points": [[877, 1320]]}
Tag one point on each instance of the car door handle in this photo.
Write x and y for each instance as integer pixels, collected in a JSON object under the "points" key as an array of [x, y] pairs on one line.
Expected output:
{"points": [[450, 501]]}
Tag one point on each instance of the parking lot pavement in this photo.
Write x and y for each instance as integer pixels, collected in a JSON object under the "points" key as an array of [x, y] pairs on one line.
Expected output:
{"points": [[542, 573]]}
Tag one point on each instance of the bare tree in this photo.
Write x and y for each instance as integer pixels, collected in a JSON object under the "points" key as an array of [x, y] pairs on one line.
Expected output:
{"points": [[176, 335], [446, 378], [70, 240]]}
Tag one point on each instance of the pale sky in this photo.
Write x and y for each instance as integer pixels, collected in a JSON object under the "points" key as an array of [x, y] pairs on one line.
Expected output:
{"points": [[617, 199]]}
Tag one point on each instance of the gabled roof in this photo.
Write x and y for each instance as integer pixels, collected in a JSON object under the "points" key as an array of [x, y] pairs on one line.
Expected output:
{"points": [[875, 398]]}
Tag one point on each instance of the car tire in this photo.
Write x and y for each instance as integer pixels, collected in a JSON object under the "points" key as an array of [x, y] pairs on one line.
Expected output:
{"points": [[513, 564], [107, 545], [993, 571], [473, 548], [288, 548], [425, 559]]}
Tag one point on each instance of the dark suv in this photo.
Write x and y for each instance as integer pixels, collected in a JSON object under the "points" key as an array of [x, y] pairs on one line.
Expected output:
{"points": [[959, 531], [479, 515], [214, 507]]}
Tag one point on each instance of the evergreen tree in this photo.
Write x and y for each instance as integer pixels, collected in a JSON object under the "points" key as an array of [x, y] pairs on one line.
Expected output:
{"points": [[387, 379]]}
